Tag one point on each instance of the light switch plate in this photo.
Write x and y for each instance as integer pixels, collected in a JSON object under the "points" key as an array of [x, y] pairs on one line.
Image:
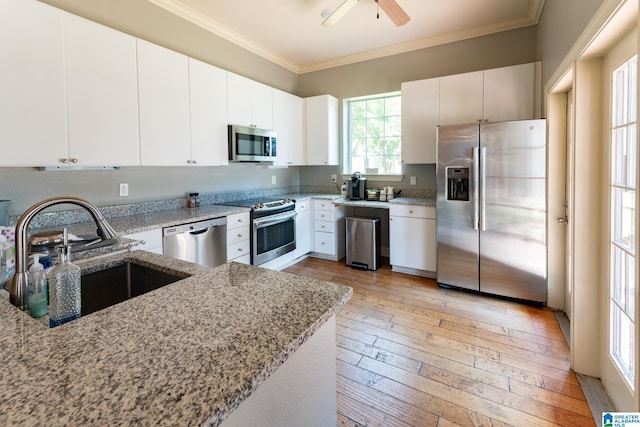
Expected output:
{"points": [[413, 180], [273, 179], [124, 190]]}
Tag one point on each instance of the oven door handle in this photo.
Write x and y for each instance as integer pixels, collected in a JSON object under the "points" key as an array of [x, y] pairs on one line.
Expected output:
{"points": [[274, 219]]}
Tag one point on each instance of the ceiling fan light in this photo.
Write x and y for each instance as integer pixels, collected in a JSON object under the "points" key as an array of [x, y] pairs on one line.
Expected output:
{"points": [[340, 11]]}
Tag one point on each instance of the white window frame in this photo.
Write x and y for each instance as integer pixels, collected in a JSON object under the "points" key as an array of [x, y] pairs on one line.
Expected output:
{"points": [[623, 188], [348, 168]]}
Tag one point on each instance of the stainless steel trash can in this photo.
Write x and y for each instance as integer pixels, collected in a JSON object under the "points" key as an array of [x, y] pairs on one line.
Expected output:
{"points": [[363, 242]]}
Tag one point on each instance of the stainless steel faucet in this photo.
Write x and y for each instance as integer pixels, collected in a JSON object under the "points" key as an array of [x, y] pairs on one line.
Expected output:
{"points": [[18, 285]]}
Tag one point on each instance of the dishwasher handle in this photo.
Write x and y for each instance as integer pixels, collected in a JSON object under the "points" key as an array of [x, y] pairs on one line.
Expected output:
{"points": [[194, 227]]}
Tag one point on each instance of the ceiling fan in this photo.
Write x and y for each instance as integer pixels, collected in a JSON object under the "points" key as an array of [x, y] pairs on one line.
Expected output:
{"points": [[390, 7]]}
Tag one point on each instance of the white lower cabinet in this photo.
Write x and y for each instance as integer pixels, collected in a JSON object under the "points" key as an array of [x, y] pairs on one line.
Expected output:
{"points": [[412, 239], [328, 230], [239, 238], [303, 228], [150, 240]]}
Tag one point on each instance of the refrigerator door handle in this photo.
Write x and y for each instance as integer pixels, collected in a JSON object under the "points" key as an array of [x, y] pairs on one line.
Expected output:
{"points": [[476, 168], [483, 188]]}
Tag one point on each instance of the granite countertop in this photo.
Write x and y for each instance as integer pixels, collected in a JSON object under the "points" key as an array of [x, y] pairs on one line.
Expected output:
{"points": [[187, 353], [385, 205]]}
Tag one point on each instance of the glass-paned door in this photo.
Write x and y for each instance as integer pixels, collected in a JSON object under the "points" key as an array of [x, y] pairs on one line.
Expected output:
{"points": [[623, 210]]}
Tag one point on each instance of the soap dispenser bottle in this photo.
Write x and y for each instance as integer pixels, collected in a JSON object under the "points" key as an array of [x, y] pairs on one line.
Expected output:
{"points": [[64, 288], [37, 289]]}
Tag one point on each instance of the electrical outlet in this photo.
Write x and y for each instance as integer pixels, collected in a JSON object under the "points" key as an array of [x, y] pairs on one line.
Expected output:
{"points": [[124, 190], [334, 178], [413, 180], [273, 179]]}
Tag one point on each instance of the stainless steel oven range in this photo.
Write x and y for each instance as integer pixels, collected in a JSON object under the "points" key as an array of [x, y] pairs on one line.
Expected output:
{"points": [[272, 227]]}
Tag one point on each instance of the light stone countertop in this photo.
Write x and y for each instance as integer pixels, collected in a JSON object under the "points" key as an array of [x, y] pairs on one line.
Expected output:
{"points": [[185, 354], [385, 205]]}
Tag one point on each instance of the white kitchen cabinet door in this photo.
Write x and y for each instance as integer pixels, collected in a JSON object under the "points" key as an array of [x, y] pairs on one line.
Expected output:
{"points": [[249, 103], [509, 93], [303, 229], [461, 98], [102, 94], [32, 105], [164, 106], [412, 243], [420, 115], [208, 114], [321, 116], [289, 127]]}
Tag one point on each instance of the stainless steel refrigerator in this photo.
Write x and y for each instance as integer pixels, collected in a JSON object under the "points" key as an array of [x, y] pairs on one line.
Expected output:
{"points": [[491, 208]]}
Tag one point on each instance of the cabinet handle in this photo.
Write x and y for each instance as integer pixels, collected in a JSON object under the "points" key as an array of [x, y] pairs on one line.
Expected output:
{"points": [[64, 161], [410, 211], [239, 235], [239, 249], [73, 160], [195, 162]]}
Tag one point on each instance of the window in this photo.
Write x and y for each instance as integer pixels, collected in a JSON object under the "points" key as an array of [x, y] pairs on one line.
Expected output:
{"points": [[373, 134], [623, 219]]}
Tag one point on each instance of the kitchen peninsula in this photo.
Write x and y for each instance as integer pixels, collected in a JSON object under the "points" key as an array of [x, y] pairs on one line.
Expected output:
{"points": [[194, 352]]}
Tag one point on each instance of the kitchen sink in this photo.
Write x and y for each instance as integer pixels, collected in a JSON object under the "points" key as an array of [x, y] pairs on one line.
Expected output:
{"points": [[104, 288]]}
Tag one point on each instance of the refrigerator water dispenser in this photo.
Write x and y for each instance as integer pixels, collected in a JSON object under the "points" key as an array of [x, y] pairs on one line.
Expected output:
{"points": [[458, 184]]}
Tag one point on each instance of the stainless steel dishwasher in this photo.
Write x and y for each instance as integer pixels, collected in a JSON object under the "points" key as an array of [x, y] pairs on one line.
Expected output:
{"points": [[202, 242]]}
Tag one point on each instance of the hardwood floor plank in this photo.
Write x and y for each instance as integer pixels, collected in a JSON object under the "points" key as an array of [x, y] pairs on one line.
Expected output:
{"points": [[412, 353]]}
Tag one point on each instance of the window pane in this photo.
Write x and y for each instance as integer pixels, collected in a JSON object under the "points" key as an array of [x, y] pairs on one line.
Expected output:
{"points": [[632, 115], [375, 133], [631, 155], [623, 207], [619, 156], [375, 108], [392, 107], [622, 345]]}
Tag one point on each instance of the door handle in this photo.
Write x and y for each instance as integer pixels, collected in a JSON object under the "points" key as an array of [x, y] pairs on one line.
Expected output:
{"points": [[564, 220]]}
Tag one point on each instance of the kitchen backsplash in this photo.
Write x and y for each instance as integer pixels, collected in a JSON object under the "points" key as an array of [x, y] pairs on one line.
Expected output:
{"points": [[53, 219]]}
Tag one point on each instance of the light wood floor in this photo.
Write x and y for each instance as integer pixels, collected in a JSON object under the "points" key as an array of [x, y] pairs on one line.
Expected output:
{"points": [[412, 354]]}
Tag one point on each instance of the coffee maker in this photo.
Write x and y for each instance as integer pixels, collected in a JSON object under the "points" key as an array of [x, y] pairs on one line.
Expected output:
{"points": [[357, 187]]}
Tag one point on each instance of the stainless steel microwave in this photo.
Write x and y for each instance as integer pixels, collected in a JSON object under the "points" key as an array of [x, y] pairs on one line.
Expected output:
{"points": [[249, 144]]}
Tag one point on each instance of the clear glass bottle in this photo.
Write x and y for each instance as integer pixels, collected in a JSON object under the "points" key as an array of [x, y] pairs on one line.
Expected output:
{"points": [[64, 289]]}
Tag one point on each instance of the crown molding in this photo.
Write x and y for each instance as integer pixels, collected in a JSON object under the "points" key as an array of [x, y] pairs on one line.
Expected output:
{"points": [[416, 45], [180, 9]]}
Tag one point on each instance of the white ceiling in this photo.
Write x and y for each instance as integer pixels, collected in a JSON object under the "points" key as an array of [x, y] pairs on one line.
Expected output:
{"points": [[289, 32]]}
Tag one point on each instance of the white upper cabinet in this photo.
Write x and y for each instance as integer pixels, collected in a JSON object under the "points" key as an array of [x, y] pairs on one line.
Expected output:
{"points": [[509, 93], [164, 106], [32, 105], [420, 115], [461, 98], [208, 108], [102, 94], [288, 122], [321, 114], [250, 103]]}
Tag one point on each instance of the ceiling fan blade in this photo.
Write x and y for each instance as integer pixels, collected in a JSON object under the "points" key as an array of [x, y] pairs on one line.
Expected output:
{"points": [[394, 11], [339, 12]]}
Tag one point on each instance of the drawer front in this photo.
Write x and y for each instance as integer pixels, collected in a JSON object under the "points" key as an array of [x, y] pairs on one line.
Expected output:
{"points": [[323, 205], [323, 243], [238, 249], [413, 211], [238, 220], [152, 239], [324, 215], [325, 226], [303, 206], [244, 259], [237, 235]]}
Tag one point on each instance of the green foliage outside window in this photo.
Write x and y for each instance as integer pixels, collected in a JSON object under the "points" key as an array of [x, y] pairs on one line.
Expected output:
{"points": [[374, 134]]}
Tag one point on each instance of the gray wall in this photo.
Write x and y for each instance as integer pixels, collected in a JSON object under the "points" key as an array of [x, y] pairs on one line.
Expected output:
{"points": [[560, 26], [26, 186], [386, 75]]}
